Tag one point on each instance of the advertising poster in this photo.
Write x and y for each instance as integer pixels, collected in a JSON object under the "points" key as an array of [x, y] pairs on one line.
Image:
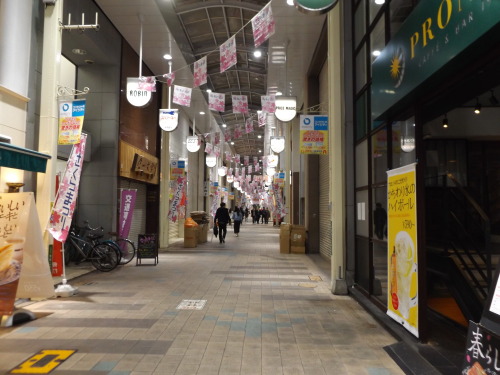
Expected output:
{"points": [[200, 72], [402, 262], [216, 102], [482, 353], [314, 134], [175, 206], [227, 54], [24, 269], [177, 169], [71, 115]]}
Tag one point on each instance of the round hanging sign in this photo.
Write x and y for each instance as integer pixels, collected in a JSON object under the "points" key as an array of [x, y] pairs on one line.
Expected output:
{"points": [[169, 119], [314, 6], [137, 96]]}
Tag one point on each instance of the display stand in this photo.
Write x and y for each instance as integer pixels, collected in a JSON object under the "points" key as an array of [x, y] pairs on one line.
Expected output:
{"points": [[147, 249], [64, 289]]}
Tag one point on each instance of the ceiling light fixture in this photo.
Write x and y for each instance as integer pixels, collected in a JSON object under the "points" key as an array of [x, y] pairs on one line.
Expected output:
{"points": [[376, 53], [379, 2], [167, 56], [79, 51], [289, 2], [257, 53], [224, 125], [493, 99], [445, 121], [208, 90], [477, 109], [202, 113]]}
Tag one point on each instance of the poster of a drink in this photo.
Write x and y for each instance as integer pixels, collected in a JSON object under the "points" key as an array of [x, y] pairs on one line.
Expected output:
{"points": [[402, 261], [24, 269]]}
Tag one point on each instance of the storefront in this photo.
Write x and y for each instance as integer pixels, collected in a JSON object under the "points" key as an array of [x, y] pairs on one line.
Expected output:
{"points": [[415, 104]]}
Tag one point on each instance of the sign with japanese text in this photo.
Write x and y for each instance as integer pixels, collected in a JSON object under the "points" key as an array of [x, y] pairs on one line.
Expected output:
{"points": [[314, 134], [169, 119], [173, 213], [402, 261], [127, 204], [240, 103], [200, 72], [482, 354], [182, 95], [177, 169], [65, 200], [263, 25], [71, 115], [24, 270], [216, 101], [227, 54], [268, 103]]}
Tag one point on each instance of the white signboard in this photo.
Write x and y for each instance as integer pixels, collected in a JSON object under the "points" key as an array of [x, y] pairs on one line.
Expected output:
{"points": [[136, 96]]}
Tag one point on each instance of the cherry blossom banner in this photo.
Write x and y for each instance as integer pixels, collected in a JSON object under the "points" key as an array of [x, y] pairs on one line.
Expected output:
{"points": [[182, 95], [246, 160], [170, 77], [262, 118], [227, 135], [65, 201], [217, 138], [173, 213], [237, 131], [228, 54], [240, 103], [249, 125], [216, 151], [216, 102], [228, 156], [249, 170], [208, 148], [237, 158], [268, 103], [147, 83], [263, 25], [255, 160], [200, 72]]}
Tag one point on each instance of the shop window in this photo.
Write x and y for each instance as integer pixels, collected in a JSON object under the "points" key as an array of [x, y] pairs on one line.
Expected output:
{"points": [[377, 40], [359, 23], [380, 145], [445, 156], [380, 271], [379, 213], [363, 262], [362, 164], [403, 149], [362, 213], [361, 118], [361, 68]]}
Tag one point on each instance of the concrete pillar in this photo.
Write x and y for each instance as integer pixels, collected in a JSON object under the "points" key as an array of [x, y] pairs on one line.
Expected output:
{"points": [[164, 178], [339, 284], [47, 140], [15, 42]]}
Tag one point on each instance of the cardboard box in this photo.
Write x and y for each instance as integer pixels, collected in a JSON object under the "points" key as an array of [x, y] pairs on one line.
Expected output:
{"points": [[285, 238], [297, 249], [298, 235]]}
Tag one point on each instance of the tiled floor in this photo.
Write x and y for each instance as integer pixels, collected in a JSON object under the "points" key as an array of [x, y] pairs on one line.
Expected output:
{"points": [[265, 313]]}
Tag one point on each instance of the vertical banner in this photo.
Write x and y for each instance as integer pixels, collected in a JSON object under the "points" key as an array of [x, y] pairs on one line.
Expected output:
{"points": [[200, 72], [71, 113], [313, 134], [127, 204], [65, 201], [268, 103], [249, 125], [263, 25], [173, 213], [240, 103], [182, 95], [402, 261], [24, 270], [227, 54], [216, 102]]}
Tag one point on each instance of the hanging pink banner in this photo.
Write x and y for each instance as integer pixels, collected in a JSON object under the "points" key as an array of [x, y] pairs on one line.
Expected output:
{"points": [[246, 160], [249, 125], [237, 158], [216, 102], [170, 78], [65, 201], [127, 204], [217, 138], [240, 103], [208, 148], [237, 131], [263, 25], [216, 151], [268, 103], [147, 83], [257, 167], [182, 96], [249, 170], [262, 118], [227, 135], [227, 54], [173, 213], [255, 160], [228, 156], [200, 72]]}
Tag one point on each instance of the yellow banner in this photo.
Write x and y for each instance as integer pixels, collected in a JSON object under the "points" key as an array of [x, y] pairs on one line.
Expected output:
{"points": [[313, 134], [402, 258], [71, 115]]}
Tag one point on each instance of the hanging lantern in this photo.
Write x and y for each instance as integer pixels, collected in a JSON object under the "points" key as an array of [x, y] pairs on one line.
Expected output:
{"points": [[192, 143], [278, 144], [222, 171], [211, 161]]}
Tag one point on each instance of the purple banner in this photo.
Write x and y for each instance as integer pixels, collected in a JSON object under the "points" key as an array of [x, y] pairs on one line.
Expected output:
{"points": [[127, 204]]}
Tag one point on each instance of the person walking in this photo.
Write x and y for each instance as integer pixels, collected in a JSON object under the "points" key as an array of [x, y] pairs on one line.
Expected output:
{"points": [[237, 219], [221, 219]]}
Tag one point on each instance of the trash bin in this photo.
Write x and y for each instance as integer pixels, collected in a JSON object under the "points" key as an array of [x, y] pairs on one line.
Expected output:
{"points": [[190, 233], [285, 238], [203, 220]]}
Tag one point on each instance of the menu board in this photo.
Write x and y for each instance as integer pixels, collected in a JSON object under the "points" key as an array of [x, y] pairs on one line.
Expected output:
{"points": [[147, 248], [481, 352]]}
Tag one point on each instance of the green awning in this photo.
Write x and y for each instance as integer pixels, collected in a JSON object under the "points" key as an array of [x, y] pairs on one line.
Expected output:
{"points": [[22, 158]]}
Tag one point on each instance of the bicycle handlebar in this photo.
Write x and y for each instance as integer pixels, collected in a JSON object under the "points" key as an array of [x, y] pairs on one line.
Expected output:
{"points": [[87, 225]]}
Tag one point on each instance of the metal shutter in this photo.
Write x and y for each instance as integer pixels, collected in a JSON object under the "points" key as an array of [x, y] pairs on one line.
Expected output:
{"points": [[325, 224], [139, 218]]}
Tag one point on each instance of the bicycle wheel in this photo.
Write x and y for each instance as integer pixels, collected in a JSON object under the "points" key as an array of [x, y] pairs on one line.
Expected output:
{"points": [[127, 250], [104, 257]]}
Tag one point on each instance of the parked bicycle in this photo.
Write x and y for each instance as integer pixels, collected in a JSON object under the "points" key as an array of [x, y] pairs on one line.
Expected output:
{"points": [[125, 246], [82, 246]]}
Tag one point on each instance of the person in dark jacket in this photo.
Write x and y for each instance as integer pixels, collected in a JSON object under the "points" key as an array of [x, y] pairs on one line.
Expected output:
{"points": [[222, 218], [237, 219]]}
